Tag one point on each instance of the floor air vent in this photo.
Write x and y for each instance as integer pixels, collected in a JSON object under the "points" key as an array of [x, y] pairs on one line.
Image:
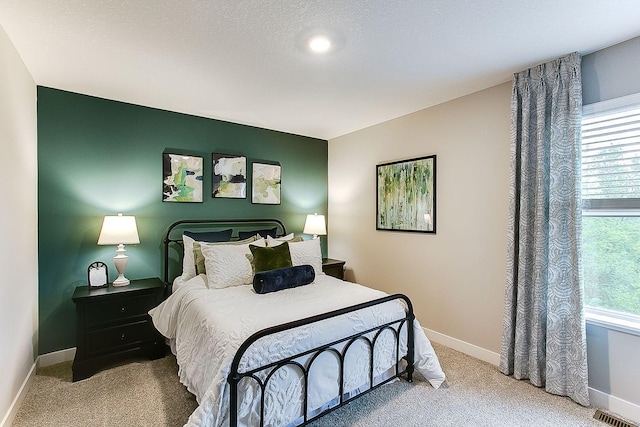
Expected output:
{"points": [[611, 420]]}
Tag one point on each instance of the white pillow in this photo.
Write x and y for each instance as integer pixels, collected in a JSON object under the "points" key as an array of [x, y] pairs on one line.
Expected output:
{"points": [[198, 258], [275, 241], [188, 261], [228, 265], [307, 252], [280, 239]]}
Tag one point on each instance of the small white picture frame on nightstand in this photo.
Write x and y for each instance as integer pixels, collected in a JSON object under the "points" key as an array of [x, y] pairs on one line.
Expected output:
{"points": [[98, 275]]}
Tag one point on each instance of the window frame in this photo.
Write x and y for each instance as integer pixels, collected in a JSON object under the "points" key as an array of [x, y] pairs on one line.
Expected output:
{"points": [[610, 319]]}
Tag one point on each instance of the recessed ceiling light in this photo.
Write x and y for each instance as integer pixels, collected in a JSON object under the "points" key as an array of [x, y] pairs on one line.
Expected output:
{"points": [[319, 43]]}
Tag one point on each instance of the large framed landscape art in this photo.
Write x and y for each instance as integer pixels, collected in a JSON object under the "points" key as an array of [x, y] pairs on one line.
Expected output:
{"points": [[406, 195]]}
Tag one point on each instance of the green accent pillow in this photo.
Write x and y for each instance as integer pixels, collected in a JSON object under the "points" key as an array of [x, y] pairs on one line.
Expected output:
{"points": [[199, 258], [265, 259]]}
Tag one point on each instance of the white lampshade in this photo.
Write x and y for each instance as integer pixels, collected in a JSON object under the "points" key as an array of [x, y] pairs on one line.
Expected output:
{"points": [[315, 225], [119, 229]]}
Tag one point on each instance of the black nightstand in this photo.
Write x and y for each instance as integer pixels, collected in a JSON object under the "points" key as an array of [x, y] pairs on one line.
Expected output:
{"points": [[333, 267], [112, 323]]}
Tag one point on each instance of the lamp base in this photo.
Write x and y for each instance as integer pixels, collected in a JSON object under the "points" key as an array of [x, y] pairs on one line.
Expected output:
{"points": [[120, 261], [121, 281]]}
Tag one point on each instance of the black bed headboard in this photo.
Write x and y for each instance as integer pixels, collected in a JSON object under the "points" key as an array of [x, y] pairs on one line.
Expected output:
{"points": [[172, 238]]}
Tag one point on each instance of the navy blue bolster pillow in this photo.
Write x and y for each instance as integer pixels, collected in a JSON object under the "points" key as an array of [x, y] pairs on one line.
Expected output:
{"points": [[283, 278]]}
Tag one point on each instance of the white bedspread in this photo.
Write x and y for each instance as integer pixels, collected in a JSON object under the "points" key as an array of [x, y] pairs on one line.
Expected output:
{"points": [[208, 326]]}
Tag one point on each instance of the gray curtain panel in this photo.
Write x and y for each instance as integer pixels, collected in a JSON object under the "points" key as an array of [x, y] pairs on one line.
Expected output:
{"points": [[544, 337]]}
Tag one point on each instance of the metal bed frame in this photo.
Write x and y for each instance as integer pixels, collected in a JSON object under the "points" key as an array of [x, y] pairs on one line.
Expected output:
{"points": [[235, 376], [173, 234]]}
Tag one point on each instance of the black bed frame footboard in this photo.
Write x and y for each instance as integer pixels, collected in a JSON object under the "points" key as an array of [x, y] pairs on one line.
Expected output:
{"points": [[395, 326]]}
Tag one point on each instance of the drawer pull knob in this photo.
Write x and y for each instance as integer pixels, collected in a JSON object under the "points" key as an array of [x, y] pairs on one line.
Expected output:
{"points": [[122, 337], [123, 309]]}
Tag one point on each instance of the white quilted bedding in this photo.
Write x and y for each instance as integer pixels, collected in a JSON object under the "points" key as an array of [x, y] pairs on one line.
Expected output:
{"points": [[208, 326]]}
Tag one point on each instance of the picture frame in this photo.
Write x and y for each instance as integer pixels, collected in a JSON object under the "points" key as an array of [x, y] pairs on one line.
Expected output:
{"points": [[228, 176], [97, 275], [406, 195], [266, 180], [182, 177]]}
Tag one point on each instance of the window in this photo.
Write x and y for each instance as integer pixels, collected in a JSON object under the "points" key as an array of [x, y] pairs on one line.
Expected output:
{"points": [[611, 211]]}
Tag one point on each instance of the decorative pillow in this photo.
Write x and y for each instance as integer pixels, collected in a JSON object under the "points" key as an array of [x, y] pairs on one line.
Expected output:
{"points": [[199, 258], [263, 233], [278, 240], [307, 252], [283, 278], [270, 258], [188, 263], [228, 265], [284, 238], [188, 237], [210, 236]]}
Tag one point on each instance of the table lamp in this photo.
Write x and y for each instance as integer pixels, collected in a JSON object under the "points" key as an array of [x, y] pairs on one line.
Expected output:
{"points": [[315, 225], [119, 230]]}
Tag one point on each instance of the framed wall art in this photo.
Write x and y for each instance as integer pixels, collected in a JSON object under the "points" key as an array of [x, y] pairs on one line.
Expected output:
{"points": [[181, 178], [265, 184], [228, 176], [406, 195]]}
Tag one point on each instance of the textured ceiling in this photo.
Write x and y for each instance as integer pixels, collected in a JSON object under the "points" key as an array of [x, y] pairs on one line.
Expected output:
{"points": [[245, 61]]}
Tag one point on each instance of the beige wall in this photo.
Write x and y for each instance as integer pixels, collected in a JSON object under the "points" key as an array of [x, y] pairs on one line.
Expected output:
{"points": [[18, 226], [456, 277]]}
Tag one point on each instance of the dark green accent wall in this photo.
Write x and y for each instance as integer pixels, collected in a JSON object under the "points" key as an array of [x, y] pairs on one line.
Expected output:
{"points": [[99, 157]]}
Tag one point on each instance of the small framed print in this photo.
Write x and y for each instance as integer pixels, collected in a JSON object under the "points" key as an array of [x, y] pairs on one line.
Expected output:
{"points": [[265, 188], [229, 176], [98, 275], [181, 178]]}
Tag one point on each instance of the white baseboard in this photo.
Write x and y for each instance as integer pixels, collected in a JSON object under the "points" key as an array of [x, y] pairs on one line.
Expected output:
{"points": [[42, 360], [17, 401], [464, 347], [615, 405], [56, 357]]}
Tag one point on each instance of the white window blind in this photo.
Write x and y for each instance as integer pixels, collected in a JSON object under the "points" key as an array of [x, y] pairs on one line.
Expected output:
{"points": [[611, 212], [611, 158]]}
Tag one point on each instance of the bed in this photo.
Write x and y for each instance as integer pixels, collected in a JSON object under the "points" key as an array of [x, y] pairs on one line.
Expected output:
{"points": [[281, 358]]}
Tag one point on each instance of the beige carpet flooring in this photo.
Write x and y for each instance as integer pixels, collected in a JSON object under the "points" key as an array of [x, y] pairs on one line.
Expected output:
{"points": [[148, 393]]}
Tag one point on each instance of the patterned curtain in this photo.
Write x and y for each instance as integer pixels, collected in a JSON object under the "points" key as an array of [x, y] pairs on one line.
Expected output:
{"points": [[544, 336]]}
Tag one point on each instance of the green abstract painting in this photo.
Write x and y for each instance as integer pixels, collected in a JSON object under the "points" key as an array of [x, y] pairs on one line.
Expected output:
{"points": [[229, 176], [181, 178], [406, 198], [266, 184]]}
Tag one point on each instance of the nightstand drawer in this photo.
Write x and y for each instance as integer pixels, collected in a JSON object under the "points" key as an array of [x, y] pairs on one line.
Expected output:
{"points": [[111, 339], [118, 309]]}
